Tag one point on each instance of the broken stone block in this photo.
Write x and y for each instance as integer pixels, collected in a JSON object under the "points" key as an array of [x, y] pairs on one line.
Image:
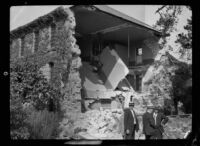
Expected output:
{"points": [[115, 71]]}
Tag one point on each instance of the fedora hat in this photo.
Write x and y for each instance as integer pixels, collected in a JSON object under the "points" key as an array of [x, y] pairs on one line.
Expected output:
{"points": [[156, 108], [150, 106]]}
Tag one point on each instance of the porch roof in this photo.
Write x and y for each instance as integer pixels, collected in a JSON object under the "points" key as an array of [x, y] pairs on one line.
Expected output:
{"points": [[111, 24]]}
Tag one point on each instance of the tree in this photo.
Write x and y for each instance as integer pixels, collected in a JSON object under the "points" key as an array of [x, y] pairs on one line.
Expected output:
{"points": [[185, 39], [182, 91], [167, 21]]}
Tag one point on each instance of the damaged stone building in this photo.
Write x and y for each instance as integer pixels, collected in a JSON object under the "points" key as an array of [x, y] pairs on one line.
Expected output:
{"points": [[111, 51]]}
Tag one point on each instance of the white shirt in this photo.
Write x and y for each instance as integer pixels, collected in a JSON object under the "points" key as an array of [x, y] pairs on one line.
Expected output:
{"points": [[155, 115], [133, 116]]}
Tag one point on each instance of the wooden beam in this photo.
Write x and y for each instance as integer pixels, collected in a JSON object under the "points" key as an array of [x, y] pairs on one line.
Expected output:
{"points": [[114, 28]]}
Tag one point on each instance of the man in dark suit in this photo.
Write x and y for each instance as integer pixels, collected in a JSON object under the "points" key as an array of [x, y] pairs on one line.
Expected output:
{"points": [[148, 123], [130, 122], [159, 120]]}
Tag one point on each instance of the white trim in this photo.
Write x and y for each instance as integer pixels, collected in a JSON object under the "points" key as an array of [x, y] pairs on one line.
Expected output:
{"points": [[114, 28]]}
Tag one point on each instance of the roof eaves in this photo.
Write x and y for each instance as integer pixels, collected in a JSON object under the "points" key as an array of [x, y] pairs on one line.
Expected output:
{"points": [[109, 10]]}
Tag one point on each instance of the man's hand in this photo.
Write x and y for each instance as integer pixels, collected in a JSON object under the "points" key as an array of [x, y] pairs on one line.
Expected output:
{"points": [[127, 131], [163, 124]]}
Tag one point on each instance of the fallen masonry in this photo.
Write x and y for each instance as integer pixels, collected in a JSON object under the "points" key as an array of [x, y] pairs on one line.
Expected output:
{"points": [[108, 124]]}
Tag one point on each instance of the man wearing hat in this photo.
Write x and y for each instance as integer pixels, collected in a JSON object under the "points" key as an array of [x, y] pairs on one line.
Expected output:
{"points": [[148, 122], [130, 122], [159, 120]]}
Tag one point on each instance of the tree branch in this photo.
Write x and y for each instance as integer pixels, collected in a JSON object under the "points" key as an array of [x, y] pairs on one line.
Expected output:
{"points": [[160, 9]]}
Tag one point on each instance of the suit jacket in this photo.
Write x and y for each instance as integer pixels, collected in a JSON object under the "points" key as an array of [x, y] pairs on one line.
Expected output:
{"points": [[160, 118], [148, 124], [129, 121]]}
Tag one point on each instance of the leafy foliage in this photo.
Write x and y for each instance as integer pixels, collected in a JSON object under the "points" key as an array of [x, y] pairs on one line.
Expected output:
{"points": [[185, 39], [168, 19], [29, 87], [29, 84], [160, 89], [18, 125], [181, 92], [169, 86]]}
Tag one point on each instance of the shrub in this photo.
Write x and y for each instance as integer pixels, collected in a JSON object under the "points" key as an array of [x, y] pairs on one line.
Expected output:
{"points": [[18, 125], [43, 124], [28, 85]]}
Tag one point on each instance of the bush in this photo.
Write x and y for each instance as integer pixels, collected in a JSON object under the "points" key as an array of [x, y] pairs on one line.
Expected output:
{"points": [[43, 124], [181, 91], [18, 125], [28, 86]]}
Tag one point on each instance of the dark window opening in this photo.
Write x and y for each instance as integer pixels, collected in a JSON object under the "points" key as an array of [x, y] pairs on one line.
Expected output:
{"points": [[22, 46], [36, 45], [138, 83], [131, 80], [53, 34], [51, 64]]}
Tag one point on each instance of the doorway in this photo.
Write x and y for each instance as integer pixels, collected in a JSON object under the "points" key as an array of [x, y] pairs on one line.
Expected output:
{"points": [[138, 82]]}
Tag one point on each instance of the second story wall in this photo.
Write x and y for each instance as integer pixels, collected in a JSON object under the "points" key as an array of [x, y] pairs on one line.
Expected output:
{"points": [[34, 41]]}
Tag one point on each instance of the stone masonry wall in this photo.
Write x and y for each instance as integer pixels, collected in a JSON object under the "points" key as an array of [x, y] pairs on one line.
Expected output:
{"points": [[15, 47], [57, 45]]}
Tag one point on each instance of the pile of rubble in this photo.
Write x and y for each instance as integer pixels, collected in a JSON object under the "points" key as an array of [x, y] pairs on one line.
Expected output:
{"points": [[94, 124], [177, 127]]}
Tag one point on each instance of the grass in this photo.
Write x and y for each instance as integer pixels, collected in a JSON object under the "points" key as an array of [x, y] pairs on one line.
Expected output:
{"points": [[43, 124]]}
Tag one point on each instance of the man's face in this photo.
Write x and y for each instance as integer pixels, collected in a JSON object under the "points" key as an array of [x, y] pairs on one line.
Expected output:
{"points": [[131, 106], [155, 111]]}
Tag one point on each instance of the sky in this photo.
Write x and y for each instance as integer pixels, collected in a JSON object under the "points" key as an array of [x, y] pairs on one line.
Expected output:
{"points": [[21, 15]]}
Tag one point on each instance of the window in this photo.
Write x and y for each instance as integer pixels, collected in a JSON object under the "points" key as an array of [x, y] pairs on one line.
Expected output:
{"points": [[21, 53], [51, 64], [53, 33], [139, 56], [36, 45], [139, 51]]}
